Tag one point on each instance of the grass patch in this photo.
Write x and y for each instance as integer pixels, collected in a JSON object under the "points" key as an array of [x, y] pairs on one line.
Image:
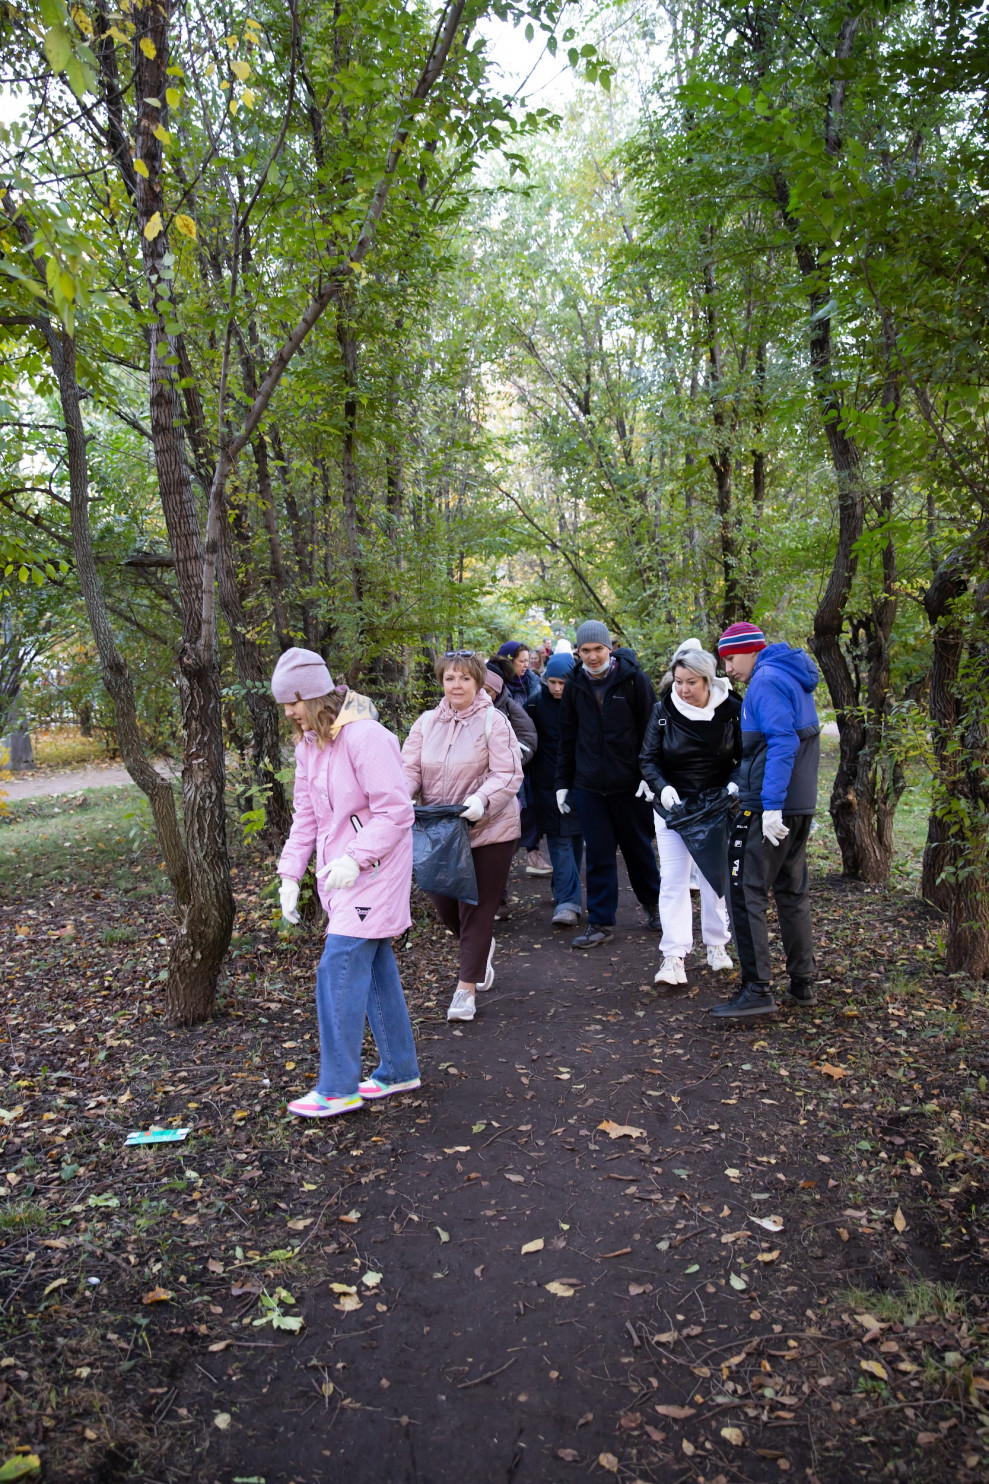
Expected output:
{"points": [[62, 747], [917, 1300], [44, 842], [118, 935], [22, 1216]]}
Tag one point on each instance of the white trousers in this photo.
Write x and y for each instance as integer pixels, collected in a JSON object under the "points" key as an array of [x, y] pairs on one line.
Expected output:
{"points": [[675, 910]]}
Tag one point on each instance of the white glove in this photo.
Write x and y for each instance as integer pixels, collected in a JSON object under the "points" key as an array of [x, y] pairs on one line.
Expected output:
{"points": [[288, 895], [669, 797], [561, 800], [773, 828], [338, 874], [473, 808], [644, 792], [732, 788]]}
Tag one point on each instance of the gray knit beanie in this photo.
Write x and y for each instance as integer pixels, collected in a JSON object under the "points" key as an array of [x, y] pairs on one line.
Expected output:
{"points": [[592, 632], [300, 674]]}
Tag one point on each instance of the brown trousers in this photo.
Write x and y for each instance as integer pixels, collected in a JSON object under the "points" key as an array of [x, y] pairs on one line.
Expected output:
{"points": [[474, 925]]}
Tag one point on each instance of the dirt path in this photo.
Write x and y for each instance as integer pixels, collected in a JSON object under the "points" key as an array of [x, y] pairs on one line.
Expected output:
{"points": [[41, 784], [472, 1359]]}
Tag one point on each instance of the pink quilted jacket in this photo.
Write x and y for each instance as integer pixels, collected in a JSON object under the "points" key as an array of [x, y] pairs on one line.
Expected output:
{"points": [[449, 754]]}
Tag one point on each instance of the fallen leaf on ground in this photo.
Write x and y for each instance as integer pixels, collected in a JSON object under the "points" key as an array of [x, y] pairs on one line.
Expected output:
{"points": [[670, 1409], [900, 1221], [560, 1289], [443, 1236], [219, 1345], [875, 1368], [222, 1421], [688, 1448], [768, 1223], [301, 1222], [737, 1282], [767, 1256], [621, 1130], [370, 1280], [20, 1466], [158, 1296], [608, 1461], [351, 1217], [733, 1435], [569, 1455], [585, 1419], [348, 1303], [536, 1245], [830, 1070]]}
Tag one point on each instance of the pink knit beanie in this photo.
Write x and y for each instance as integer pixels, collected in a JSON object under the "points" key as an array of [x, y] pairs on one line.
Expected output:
{"points": [[300, 674], [495, 681]]}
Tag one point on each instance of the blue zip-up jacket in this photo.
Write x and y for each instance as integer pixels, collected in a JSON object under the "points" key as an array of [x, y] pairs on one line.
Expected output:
{"points": [[781, 735]]}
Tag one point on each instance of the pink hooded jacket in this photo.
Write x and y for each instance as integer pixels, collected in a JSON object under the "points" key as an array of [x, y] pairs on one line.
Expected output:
{"points": [[449, 754], [351, 798]]}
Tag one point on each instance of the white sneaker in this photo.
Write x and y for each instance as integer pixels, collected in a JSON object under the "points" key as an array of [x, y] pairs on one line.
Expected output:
{"points": [[671, 971], [488, 979], [718, 959], [461, 1006]]}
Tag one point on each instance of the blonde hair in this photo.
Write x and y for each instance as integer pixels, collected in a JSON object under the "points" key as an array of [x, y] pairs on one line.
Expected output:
{"points": [[692, 657], [468, 664], [321, 713]]}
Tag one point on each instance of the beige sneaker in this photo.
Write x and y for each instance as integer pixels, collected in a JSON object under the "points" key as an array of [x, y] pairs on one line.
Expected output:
{"points": [[536, 864]]}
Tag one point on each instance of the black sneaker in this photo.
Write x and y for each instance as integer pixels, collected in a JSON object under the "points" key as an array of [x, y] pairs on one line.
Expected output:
{"points": [[802, 992], [593, 934], [654, 922], [751, 1000]]}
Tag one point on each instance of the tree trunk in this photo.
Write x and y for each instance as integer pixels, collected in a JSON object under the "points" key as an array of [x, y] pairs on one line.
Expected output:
{"points": [[202, 934], [956, 860]]}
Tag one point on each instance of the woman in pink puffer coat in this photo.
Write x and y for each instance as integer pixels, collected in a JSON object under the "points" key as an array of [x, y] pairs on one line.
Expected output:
{"points": [[351, 804], [465, 752]]}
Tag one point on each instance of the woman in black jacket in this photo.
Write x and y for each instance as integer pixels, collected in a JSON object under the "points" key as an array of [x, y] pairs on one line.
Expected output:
{"points": [[693, 742]]}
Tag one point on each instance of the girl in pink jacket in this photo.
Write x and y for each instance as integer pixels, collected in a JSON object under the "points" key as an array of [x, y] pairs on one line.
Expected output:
{"points": [[465, 752], [351, 804]]}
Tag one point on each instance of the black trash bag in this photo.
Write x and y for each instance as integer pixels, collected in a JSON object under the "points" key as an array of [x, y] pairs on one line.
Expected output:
{"points": [[441, 858], [703, 822]]}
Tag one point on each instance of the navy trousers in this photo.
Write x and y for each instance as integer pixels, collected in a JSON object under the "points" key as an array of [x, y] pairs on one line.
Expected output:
{"points": [[613, 822]]}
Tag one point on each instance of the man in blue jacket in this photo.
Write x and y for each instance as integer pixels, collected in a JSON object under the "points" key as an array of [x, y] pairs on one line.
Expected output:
{"points": [[777, 783]]}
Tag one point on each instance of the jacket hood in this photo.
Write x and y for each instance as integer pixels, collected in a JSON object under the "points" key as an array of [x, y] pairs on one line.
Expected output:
{"points": [[795, 663], [445, 712], [355, 708]]}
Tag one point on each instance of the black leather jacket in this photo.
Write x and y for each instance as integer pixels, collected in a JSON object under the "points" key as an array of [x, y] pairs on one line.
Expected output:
{"points": [[691, 755]]}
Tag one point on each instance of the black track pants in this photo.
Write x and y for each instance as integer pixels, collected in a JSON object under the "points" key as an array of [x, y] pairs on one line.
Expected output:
{"points": [[755, 868]]}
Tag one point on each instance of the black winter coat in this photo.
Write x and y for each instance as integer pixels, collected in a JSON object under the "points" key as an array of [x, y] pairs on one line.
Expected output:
{"points": [[521, 723], [600, 737], [545, 713], [691, 755]]}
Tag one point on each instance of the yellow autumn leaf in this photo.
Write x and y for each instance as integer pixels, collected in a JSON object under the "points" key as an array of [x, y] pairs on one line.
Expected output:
{"points": [[534, 1246], [153, 227], [829, 1070], [875, 1368], [900, 1221], [148, 48], [733, 1435], [768, 1256], [173, 97], [247, 98], [608, 1461], [142, 169], [241, 70], [161, 134], [561, 1290], [234, 105]]}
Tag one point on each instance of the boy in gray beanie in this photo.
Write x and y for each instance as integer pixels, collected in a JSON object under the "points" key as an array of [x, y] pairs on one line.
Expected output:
{"points": [[603, 716]]}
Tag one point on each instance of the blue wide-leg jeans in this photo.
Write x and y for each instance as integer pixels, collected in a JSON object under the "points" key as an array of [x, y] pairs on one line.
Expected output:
{"points": [[358, 980]]}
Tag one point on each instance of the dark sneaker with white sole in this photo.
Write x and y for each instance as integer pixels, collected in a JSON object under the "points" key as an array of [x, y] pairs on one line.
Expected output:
{"points": [[750, 1002], [802, 992], [592, 935]]}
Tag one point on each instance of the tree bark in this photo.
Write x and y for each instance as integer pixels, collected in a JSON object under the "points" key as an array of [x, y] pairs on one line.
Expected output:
{"points": [[202, 934]]}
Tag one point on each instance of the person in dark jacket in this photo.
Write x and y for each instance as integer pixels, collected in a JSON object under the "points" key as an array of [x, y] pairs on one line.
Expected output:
{"points": [[523, 683], [517, 692], [519, 719], [777, 781], [563, 838], [603, 717], [693, 743]]}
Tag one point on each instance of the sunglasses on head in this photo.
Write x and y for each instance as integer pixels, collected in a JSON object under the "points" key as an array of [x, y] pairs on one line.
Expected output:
{"points": [[460, 654]]}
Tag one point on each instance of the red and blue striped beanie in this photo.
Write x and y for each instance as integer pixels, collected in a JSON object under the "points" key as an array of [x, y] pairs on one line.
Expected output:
{"points": [[741, 638]]}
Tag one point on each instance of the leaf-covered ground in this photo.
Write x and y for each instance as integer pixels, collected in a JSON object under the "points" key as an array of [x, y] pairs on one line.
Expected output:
{"points": [[607, 1237]]}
